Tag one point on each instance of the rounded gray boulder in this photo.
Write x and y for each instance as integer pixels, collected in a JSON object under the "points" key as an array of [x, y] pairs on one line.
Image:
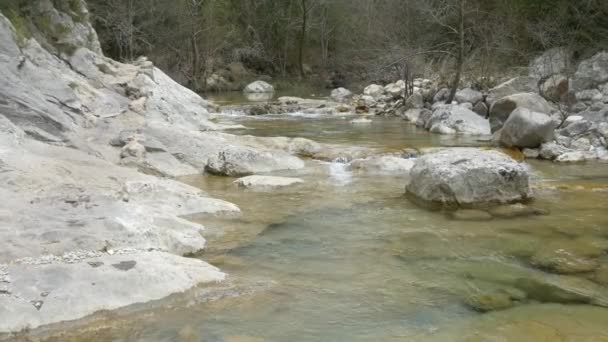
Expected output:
{"points": [[468, 177]]}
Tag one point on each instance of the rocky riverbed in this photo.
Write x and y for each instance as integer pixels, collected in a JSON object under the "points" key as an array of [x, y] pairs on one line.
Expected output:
{"points": [[116, 178]]}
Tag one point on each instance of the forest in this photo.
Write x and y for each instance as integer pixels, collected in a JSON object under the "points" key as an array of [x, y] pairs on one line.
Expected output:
{"points": [[212, 44]]}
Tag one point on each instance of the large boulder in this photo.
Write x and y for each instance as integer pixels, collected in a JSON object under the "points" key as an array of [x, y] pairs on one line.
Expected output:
{"points": [[414, 101], [374, 91], [501, 109], [522, 84], [556, 87], [469, 95], [591, 72], [454, 119], [259, 87], [551, 62], [525, 128], [341, 94], [468, 177], [441, 95], [396, 89]]}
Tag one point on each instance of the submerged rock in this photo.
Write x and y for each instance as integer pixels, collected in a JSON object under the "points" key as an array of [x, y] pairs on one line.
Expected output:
{"points": [[266, 182], [470, 215], [568, 257], [468, 177], [383, 164], [493, 301], [361, 121], [535, 322], [516, 210]]}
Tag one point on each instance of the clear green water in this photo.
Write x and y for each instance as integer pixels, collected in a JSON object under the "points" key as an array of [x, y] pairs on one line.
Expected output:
{"points": [[345, 257]]}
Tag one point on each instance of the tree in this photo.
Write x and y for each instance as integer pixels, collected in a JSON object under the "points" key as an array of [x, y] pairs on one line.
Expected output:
{"points": [[302, 37]]}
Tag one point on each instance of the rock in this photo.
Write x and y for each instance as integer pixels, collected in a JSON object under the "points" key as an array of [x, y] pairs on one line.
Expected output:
{"points": [[266, 182], [533, 322], [589, 95], [137, 277], [133, 149], [341, 94], [413, 114], [234, 162], [446, 178], [466, 105], [415, 101], [580, 144], [470, 215], [525, 128], [516, 210], [150, 143], [501, 109], [441, 95], [531, 153], [409, 153], [259, 97], [396, 90], [568, 256], [343, 108], [552, 150], [424, 118], [374, 90], [572, 157], [261, 109], [453, 119], [601, 275], [259, 87], [367, 101], [571, 119], [139, 105], [361, 121], [555, 88], [160, 164], [383, 164], [481, 109], [485, 302], [591, 72], [469, 95], [551, 62], [522, 84]]}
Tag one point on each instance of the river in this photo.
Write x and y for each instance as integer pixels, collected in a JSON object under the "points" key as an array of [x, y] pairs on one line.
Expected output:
{"points": [[346, 257]]}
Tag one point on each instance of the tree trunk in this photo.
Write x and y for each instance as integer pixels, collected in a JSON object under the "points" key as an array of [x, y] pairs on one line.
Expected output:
{"points": [[195, 62], [302, 39], [460, 57], [130, 16], [194, 25]]}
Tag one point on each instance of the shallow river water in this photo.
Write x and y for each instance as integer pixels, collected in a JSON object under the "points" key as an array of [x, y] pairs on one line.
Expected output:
{"points": [[346, 257]]}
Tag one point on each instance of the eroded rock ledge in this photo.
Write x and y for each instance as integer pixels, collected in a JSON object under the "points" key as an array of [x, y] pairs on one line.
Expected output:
{"points": [[91, 219]]}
